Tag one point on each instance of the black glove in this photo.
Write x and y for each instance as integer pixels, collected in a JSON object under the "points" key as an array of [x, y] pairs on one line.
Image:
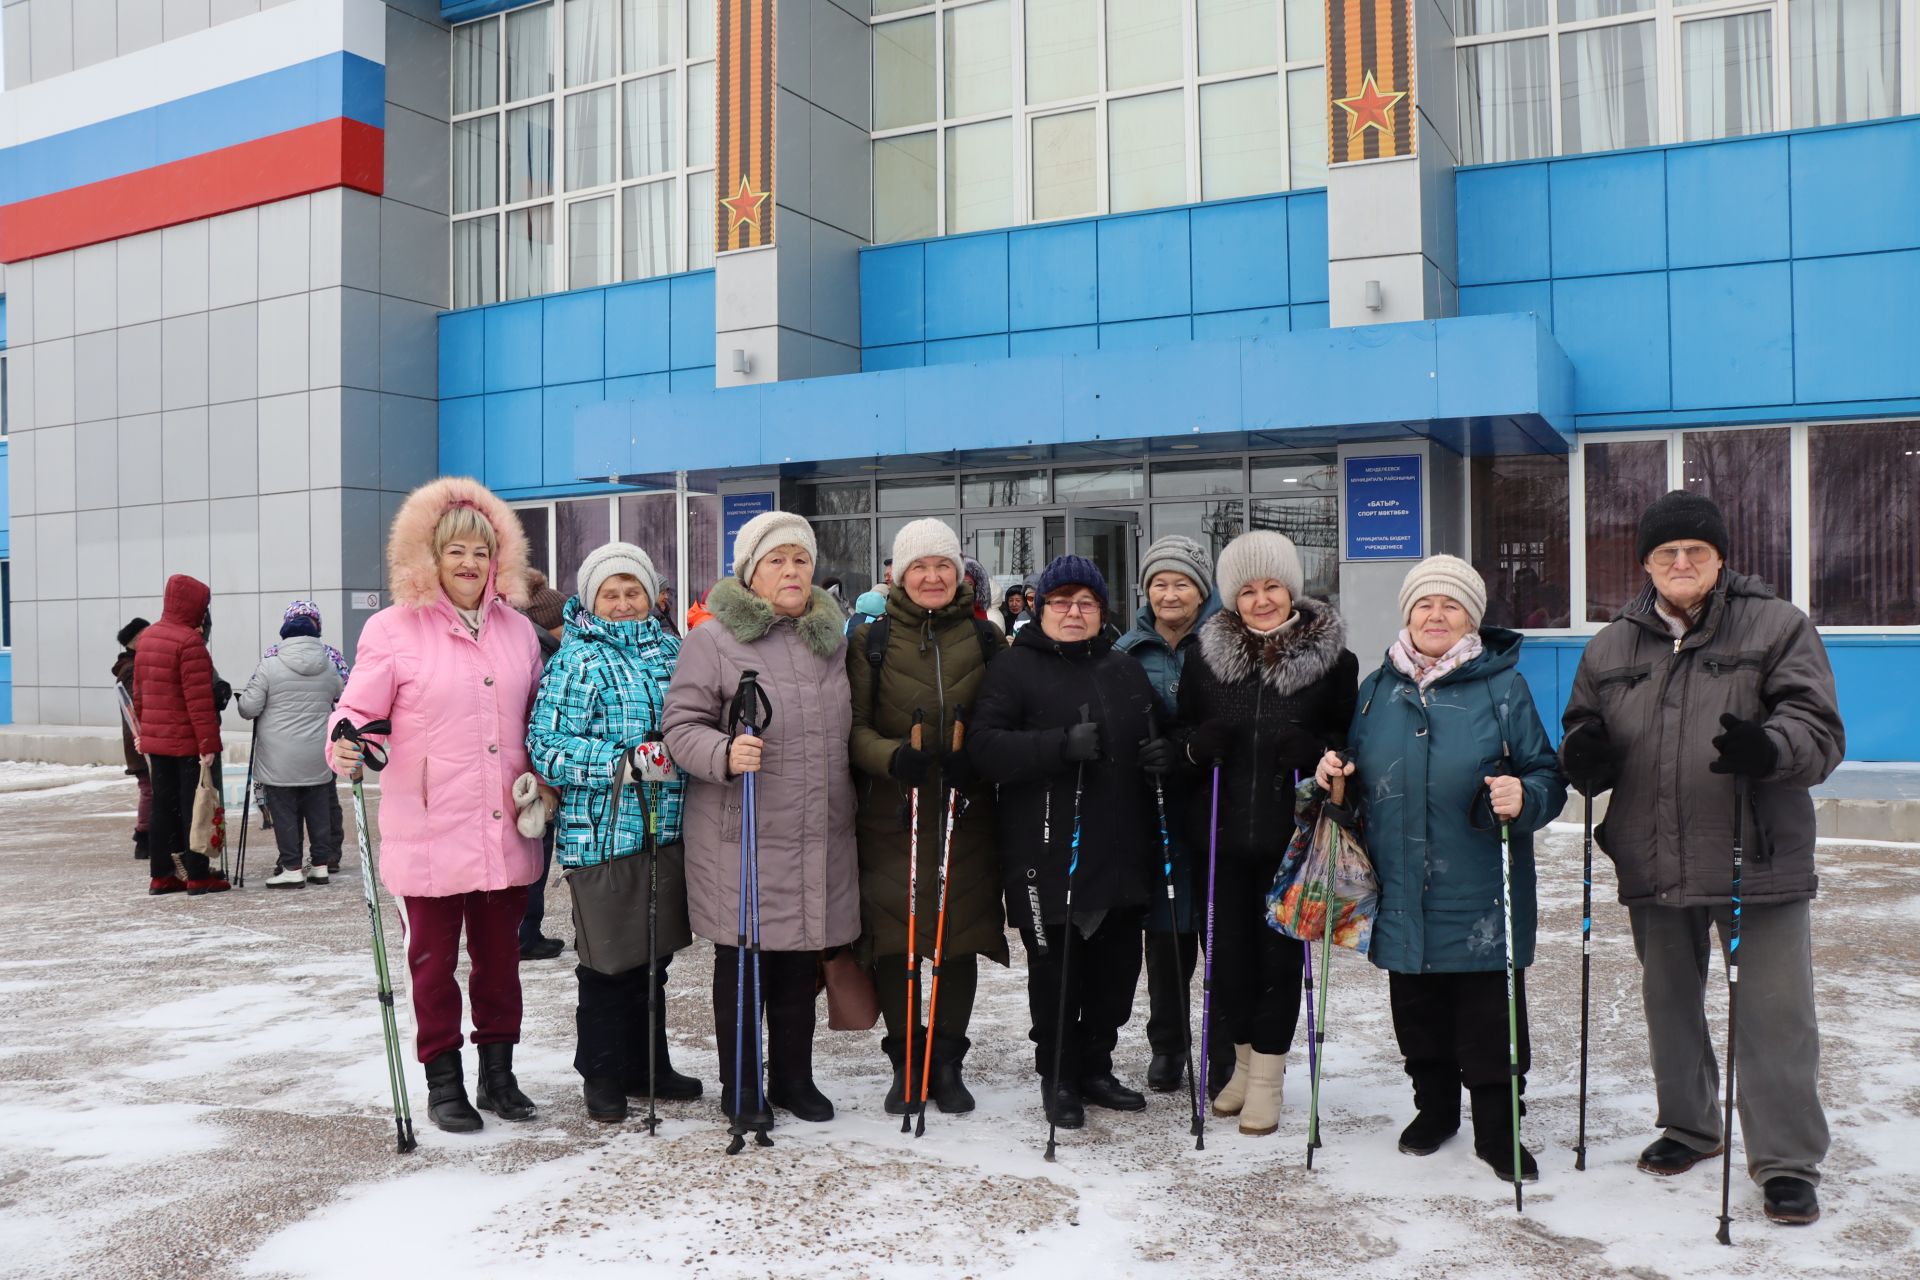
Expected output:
{"points": [[956, 768], [1158, 756], [1588, 756], [222, 695], [910, 766], [1744, 748], [1209, 743], [1083, 742]]}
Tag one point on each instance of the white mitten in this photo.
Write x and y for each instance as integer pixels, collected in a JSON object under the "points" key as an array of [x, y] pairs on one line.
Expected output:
{"points": [[532, 815], [650, 763]]}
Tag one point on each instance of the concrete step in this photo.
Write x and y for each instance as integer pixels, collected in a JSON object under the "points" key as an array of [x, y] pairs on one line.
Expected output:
{"points": [[82, 744]]}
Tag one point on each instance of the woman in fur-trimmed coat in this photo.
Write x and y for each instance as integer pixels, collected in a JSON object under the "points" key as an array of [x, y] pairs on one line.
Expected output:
{"points": [[1270, 688]]}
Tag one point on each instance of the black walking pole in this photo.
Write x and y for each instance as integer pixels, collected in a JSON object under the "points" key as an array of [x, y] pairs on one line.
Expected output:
{"points": [[1586, 976], [1066, 956], [750, 707], [1725, 1234], [1173, 932], [650, 800], [246, 799]]}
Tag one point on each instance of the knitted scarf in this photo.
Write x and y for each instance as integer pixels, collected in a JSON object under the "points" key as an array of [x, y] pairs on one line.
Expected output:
{"points": [[1422, 670]]}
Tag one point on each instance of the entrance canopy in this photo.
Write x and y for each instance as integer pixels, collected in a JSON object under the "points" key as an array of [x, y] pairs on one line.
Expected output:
{"points": [[1480, 385]]}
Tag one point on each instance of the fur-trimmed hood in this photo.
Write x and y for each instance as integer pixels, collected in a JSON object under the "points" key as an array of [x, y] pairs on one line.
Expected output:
{"points": [[412, 575], [748, 617], [1288, 661]]}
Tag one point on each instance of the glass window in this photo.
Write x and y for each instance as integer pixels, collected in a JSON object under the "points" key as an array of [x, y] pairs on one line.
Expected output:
{"points": [[476, 261], [903, 73], [1584, 10], [700, 106], [979, 58], [853, 498], [1004, 489], [1288, 473], [590, 242], [1240, 153], [1197, 477], [529, 251], [920, 493], [1608, 88], [1236, 35], [476, 163], [1307, 127], [1306, 30], [1099, 484], [700, 220], [1211, 524], [1846, 60], [647, 249], [1060, 50], [1144, 44], [1726, 76], [589, 41], [1488, 17], [846, 554], [529, 52], [1146, 152], [535, 522], [589, 139], [582, 528], [700, 30], [1506, 113], [476, 66], [1622, 478], [647, 521], [646, 33], [647, 139], [1065, 166], [1746, 475], [529, 152], [1313, 525], [980, 176], [1864, 482], [1519, 526]]}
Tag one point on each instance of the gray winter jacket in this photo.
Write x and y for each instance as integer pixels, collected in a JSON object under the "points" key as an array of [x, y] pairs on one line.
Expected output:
{"points": [[1669, 825], [291, 695]]}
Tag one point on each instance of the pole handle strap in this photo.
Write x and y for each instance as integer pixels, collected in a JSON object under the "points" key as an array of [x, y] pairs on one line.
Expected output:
{"points": [[373, 754]]}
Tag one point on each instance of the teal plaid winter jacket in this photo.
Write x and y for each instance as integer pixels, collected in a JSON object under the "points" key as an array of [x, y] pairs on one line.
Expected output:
{"points": [[601, 694]]}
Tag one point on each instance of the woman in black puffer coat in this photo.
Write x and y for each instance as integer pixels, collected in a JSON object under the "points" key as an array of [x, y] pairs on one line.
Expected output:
{"points": [[1270, 688]]}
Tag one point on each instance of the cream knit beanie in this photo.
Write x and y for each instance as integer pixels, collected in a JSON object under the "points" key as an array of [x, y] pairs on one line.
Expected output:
{"points": [[1445, 576], [763, 533]]}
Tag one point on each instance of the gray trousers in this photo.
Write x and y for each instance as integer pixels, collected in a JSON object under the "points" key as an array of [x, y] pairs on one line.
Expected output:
{"points": [[1777, 1068]]}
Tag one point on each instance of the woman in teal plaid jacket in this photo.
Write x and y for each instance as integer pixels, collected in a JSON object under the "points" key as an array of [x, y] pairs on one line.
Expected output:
{"points": [[601, 698]]}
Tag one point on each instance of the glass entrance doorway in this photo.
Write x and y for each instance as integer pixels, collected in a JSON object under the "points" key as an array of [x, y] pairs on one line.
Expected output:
{"points": [[1110, 538], [1014, 549]]}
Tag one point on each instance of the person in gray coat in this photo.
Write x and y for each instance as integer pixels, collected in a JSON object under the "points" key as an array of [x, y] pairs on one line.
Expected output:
{"points": [[1710, 702], [289, 698]]}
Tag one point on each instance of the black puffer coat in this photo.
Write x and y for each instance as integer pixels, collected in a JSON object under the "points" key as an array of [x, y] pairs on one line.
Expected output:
{"points": [[1018, 739], [1288, 698]]}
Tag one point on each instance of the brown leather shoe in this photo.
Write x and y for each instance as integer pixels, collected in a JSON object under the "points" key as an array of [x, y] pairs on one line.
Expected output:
{"points": [[1667, 1157]]}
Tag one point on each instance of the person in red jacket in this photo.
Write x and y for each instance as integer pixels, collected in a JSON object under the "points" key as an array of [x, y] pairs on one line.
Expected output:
{"points": [[179, 731]]}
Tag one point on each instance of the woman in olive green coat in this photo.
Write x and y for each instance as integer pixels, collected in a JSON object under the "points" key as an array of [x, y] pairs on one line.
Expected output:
{"points": [[927, 654]]}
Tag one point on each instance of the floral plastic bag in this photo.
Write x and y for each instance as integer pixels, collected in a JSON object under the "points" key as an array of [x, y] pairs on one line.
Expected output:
{"points": [[1303, 893]]}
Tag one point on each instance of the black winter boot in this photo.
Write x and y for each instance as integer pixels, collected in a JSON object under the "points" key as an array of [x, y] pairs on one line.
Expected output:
{"points": [[1063, 1105], [802, 1098], [1493, 1132], [447, 1104], [944, 1086], [896, 1050], [1436, 1099], [1166, 1073], [1791, 1201], [760, 1118], [499, 1092], [605, 1100]]}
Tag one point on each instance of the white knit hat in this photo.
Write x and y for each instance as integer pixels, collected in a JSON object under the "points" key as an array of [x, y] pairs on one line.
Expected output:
{"points": [[1254, 555], [1445, 576], [928, 537], [766, 531], [613, 559]]}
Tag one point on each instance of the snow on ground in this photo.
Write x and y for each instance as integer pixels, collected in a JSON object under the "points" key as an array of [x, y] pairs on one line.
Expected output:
{"points": [[195, 1087]]}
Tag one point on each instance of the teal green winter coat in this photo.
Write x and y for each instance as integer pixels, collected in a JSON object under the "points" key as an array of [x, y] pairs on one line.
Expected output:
{"points": [[1420, 762], [602, 693]]}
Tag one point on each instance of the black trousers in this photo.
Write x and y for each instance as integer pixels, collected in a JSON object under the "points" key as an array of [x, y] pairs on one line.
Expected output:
{"points": [[1168, 1016], [1099, 978], [1452, 1029], [788, 992], [292, 807], [174, 779], [537, 893], [1256, 968], [610, 1024], [959, 980]]}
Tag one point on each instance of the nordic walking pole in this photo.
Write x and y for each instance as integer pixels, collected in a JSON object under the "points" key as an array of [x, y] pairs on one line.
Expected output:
{"points": [[246, 799], [1066, 955], [1173, 927], [1306, 987], [1317, 1032], [940, 926], [750, 706], [650, 800], [764, 1117], [1725, 1234], [1586, 975], [375, 758], [1206, 973], [914, 738], [1513, 1013]]}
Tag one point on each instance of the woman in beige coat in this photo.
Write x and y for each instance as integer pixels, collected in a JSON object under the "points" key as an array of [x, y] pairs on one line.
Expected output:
{"points": [[769, 618]]}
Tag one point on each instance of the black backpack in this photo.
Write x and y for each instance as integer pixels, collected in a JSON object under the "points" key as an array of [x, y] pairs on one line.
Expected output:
{"points": [[992, 644]]}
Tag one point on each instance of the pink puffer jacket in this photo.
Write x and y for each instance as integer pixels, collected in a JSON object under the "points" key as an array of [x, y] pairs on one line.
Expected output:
{"points": [[458, 705]]}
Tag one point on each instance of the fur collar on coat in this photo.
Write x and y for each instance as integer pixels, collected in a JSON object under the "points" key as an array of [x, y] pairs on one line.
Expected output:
{"points": [[412, 575], [748, 617], [1289, 661]]}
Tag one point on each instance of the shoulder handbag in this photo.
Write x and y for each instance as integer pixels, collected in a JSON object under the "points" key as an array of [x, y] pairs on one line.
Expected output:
{"points": [[610, 930], [852, 1002], [204, 835]]}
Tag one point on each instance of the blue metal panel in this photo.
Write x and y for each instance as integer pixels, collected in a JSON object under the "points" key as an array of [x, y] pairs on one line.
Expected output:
{"points": [[967, 286], [1259, 322], [1239, 254], [1732, 335], [1502, 299], [1144, 268], [968, 407], [1311, 315], [893, 298], [1539, 666], [1864, 669], [1136, 334], [575, 337], [816, 417], [691, 345], [1055, 342], [3, 321], [1052, 275], [643, 384], [1609, 213], [1501, 216], [467, 10], [463, 353], [463, 437], [908, 355], [992, 346], [1307, 249], [1476, 360], [638, 327], [1854, 323], [513, 440], [1128, 395], [698, 379], [1856, 190], [1373, 373], [1614, 329], [556, 432], [1724, 205], [513, 345]]}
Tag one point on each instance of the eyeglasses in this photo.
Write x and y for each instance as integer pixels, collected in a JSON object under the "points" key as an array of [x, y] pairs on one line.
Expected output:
{"points": [[1665, 556], [1074, 606]]}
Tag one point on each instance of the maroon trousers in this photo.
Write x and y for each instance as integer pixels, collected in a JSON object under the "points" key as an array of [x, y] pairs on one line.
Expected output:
{"points": [[492, 920]]}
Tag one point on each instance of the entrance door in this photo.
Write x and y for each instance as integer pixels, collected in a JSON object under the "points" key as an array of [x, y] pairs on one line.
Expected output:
{"points": [[1110, 538], [1012, 549]]}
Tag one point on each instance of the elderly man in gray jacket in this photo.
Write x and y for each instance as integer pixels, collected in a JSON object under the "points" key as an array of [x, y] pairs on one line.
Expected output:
{"points": [[290, 698], [1706, 693]]}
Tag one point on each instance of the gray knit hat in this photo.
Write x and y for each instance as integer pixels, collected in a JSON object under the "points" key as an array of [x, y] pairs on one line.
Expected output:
{"points": [[766, 531], [616, 558], [1254, 555], [1445, 576], [928, 537], [1175, 554]]}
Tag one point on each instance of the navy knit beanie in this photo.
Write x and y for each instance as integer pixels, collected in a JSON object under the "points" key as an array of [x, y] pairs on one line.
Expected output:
{"points": [[1679, 515], [1072, 571], [131, 630]]}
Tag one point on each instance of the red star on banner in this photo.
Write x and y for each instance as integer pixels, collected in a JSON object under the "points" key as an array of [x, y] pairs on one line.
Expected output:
{"points": [[1369, 108], [744, 206]]}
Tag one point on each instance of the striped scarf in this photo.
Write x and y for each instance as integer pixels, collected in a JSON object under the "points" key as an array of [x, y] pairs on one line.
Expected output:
{"points": [[1422, 670]]}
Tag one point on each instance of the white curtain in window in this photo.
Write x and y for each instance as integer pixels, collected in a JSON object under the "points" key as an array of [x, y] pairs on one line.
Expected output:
{"points": [[904, 183], [476, 262], [589, 41], [648, 138], [646, 33], [1489, 17], [903, 73], [1060, 54], [1726, 75], [700, 106], [529, 52], [589, 139], [1846, 60], [1609, 88], [701, 25], [590, 242], [1065, 176], [700, 228], [476, 65], [980, 176], [979, 58], [1147, 151], [648, 234], [1505, 112], [529, 152], [476, 163], [529, 251], [1306, 30], [1307, 127], [1144, 44], [1240, 152], [1237, 35]]}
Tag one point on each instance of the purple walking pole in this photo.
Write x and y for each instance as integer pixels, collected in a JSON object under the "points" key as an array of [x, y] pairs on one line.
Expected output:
{"points": [[1203, 1098], [1306, 985]]}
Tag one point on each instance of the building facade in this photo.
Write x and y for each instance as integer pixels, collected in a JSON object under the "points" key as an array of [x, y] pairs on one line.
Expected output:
{"points": [[1390, 276]]}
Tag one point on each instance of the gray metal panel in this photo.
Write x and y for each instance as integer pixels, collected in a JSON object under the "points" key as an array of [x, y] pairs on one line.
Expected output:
{"points": [[233, 258], [361, 531], [20, 304], [96, 446], [360, 339], [233, 449], [323, 338], [20, 380], [355, 438], [417, 56], [228, 10], [58, 567], [26, 554], [413, 252], [184, 17], [53, 470], [183, 269], [183, 361], [139, 25], [139, 361], [20, 480], [60, 655], [139, 270], [96, 292], [99, 620], [282, 447], [52, 39], [19, 42], [52, 383], [323, 533], [841, 193], [359, 240], [408, 349], [323, 437], [324, 238], [842, 64], [95, 31], [233, 369], [96, 376], [283, 247], [417, 159], [793, 48], [282, 350], [140, 551], [285, 542], [793, 153], [233, 528], [98, 556], [52, 297], [836, 285], [409, 441], [183, 454], [183, 539], [140, 459]]}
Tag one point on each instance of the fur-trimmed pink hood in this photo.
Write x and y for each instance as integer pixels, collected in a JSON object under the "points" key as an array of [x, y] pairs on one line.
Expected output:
{"points": [[412, 575]]}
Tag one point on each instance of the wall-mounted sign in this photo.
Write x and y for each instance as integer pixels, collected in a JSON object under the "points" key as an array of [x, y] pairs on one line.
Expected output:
{"points": [[735, 510], [1382, 498], [1369, 80], [369, 600]]}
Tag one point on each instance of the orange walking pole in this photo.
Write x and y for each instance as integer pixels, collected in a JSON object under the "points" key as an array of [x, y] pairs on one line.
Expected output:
{"points": [[940, 925], [913, 916]]}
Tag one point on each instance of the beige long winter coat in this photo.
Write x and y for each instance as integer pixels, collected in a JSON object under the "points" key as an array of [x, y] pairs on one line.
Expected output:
{"points": [[809, 863]]}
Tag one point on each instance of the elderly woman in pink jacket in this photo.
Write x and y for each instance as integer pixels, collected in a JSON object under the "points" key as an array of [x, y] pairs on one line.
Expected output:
{"points": [[455, 669]]}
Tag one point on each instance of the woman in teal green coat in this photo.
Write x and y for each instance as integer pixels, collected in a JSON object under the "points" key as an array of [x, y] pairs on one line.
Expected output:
{"points": [[1446, 748]]}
